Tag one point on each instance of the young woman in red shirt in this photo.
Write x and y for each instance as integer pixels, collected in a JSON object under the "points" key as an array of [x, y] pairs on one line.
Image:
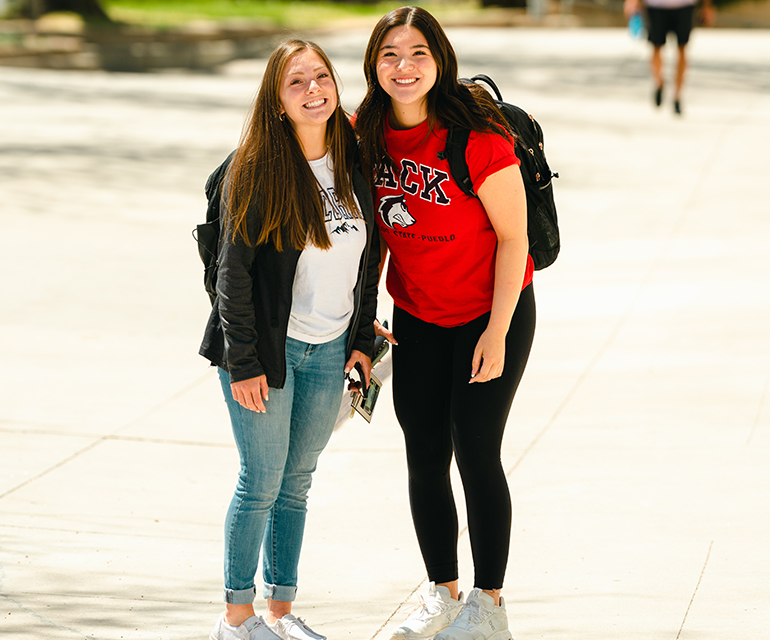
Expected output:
{"points": [[464, 309]]}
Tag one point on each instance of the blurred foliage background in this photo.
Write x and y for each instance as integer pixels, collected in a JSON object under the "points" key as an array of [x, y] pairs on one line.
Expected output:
{"points": [[284, 13], [288, 14], [167, 13]]}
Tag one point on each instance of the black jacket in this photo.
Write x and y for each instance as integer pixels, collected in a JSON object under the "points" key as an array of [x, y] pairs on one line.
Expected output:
{"points": [[246, 331]]}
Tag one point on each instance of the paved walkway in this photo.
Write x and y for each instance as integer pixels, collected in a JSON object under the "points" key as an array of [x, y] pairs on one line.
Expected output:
{"points": [[638, 448]]}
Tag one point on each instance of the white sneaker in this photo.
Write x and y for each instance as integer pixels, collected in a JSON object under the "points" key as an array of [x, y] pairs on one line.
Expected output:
{"points": [[255, 628], [292, 628], [480, 619], [435, 612]]}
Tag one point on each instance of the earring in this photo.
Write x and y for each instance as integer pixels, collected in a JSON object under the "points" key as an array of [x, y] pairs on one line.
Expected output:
{"points": [[282, 116]]}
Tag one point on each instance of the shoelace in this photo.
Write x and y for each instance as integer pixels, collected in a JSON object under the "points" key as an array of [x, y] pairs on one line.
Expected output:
{"points": [[300, 622], [425, 608], [471, 612]]}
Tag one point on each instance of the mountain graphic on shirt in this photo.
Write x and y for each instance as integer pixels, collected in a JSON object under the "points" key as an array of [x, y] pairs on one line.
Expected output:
{"points": [[345, 228]]}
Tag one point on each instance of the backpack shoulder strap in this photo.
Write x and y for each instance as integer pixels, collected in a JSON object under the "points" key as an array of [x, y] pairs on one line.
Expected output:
{"points": [[457, 143], [489, 82], [214, 188], [454, 152]]}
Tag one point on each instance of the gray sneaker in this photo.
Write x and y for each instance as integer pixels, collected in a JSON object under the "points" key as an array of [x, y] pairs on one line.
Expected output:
{"points": [[292, 628], [435, 612], [255, 628], [480, 619]]}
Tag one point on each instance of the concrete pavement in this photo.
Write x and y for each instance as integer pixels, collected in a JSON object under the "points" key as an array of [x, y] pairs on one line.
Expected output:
{"points": [[638, 447]]}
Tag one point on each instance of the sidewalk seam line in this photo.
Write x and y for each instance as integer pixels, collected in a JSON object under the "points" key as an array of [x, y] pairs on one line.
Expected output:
{"points": [[692, 599], [107, 437], [400, 606]]}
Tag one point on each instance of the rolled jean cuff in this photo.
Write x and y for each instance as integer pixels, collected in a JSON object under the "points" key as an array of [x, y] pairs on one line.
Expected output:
{"points": [[280, 592], [240, 596]]}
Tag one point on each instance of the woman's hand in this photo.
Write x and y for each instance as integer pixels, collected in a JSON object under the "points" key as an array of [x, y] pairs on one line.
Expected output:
{"points": [[365, 362], [251, 394], [488, 356], [386, 333]]}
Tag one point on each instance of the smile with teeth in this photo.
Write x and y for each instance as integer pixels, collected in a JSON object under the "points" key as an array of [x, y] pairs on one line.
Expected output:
{"points": [[405, 80], [315, 103]]}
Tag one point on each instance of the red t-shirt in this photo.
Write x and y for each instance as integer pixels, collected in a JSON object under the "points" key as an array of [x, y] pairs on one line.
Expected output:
{"points": [[442, 244]]}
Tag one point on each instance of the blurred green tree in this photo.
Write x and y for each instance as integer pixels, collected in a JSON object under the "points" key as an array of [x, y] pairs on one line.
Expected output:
{"points": [[89, 9]]}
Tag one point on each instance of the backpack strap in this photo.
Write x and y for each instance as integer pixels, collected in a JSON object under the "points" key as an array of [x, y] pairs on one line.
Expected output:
{"points": [[214, 187], [489, 82], [454, 152], [457, 143]]}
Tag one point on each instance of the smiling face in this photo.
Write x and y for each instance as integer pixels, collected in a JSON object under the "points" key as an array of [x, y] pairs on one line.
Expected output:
{"points": [[308, 93], [406, 71]]}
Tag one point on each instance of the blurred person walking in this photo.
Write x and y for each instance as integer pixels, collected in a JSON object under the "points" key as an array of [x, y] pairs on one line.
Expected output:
{"points": [[664, 17], [294, 311]]}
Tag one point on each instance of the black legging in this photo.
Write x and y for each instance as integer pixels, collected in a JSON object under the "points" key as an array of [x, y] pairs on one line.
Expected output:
{"points": [[441, 414]]}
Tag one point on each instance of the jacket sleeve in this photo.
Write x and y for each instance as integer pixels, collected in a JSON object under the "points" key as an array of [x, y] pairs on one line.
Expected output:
{"points": [[364, 340], [236, 306]]}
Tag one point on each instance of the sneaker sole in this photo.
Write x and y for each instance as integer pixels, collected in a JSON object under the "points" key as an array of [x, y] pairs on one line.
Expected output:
{"points": [[427, 637]]}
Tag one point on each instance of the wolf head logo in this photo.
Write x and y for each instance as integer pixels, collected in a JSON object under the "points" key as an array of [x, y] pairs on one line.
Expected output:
{"points": [[393, 211]]}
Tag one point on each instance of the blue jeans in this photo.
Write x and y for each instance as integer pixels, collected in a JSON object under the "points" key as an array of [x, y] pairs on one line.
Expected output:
{"points": [[279, 450]]}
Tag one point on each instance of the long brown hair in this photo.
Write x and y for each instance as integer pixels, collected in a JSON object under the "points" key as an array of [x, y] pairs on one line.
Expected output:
{"points": [[270, 174], [449, 101]]}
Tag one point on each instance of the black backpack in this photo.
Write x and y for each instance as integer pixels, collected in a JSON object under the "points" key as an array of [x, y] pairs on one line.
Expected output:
{"points": [[542, 223], [208, 233]]}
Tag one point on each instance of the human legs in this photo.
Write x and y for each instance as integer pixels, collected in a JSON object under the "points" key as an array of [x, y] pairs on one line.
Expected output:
{"points": [[262, 441], [656, 67], [421, 395], [681, 67], [682, 25], [656, 34], [661, 22], [441, 413], [433, 397], [318, 372], [422, 364], [276, 464], [479, 413]]}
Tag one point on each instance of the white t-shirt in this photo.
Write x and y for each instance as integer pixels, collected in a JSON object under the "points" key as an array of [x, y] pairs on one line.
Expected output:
{"points": [[322, 295]]}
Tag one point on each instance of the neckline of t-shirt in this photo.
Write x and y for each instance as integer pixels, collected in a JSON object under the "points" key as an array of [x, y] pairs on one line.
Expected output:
{"points": [[418, 129], [321, 162]]}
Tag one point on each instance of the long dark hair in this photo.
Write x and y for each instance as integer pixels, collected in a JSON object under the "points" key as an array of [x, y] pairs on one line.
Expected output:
{"points": [[270, 172], [449, 101]]}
